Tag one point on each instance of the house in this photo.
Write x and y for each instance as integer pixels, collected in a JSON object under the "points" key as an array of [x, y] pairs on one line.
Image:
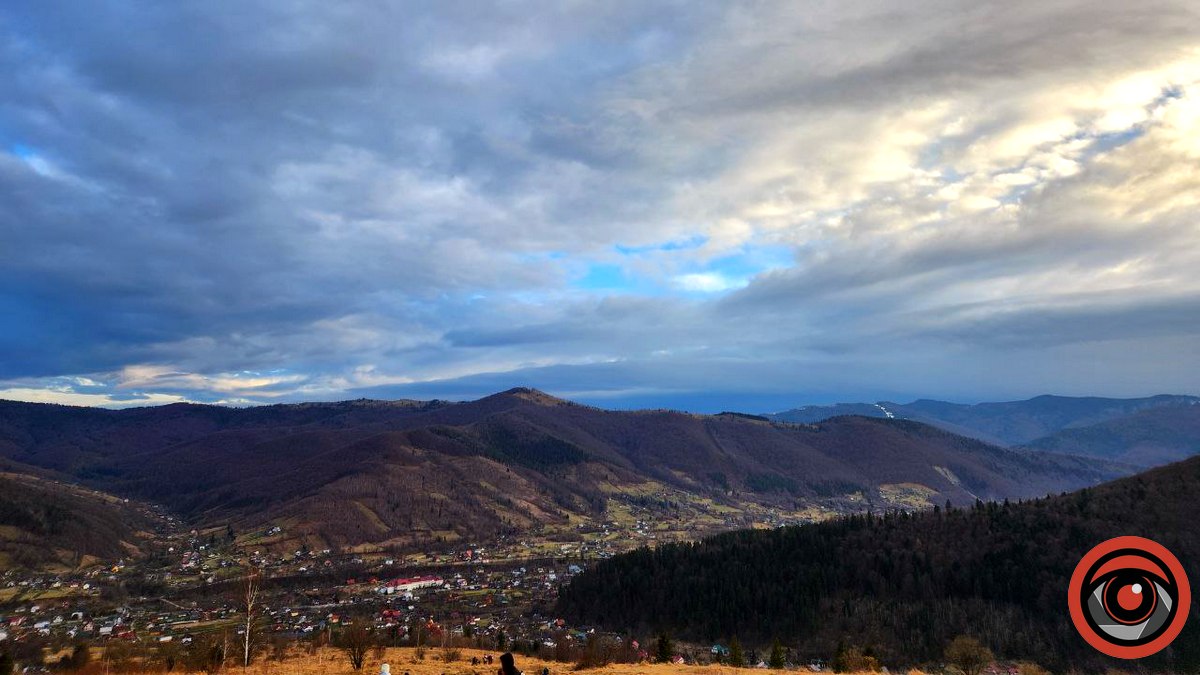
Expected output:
{"points": [[408, 585]]}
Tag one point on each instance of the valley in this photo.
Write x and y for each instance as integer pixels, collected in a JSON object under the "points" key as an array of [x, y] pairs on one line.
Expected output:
{"points": [[493, 505]]}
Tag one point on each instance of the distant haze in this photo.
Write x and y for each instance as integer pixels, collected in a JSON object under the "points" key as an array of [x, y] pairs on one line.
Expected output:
{"points": [[694, 205]]}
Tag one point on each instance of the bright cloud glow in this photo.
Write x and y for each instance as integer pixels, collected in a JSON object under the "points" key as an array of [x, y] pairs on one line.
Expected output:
{"points": [[706, 282], [67, 397]]}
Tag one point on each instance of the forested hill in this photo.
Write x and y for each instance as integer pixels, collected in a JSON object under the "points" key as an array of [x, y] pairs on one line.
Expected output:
{"points": [[403, 473], [55, 526], [1148, 438], [903, 584]]}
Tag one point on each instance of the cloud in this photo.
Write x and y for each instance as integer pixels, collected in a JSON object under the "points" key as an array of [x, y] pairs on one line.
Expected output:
{"points": [[301, 199], [706, 282], [67, 397]]}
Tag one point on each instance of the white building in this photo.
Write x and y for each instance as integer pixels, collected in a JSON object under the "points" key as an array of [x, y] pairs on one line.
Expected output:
{"points": [[408, 585]]}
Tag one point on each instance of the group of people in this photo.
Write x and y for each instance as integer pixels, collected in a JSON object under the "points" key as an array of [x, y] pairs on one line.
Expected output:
{"points": [[508, 665]]}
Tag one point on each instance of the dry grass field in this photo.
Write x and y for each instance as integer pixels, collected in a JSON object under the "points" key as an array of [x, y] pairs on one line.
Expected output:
{"points": [[331, 661]]}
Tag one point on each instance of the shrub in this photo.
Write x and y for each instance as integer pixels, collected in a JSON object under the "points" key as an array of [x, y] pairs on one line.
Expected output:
{"points": [[168, 655], [597, 653], [854, 660], [1029, 668], [208, 653], [356, 641], [279, 648], [118, 656], [665, 650], [81, 655], [968, 655]]}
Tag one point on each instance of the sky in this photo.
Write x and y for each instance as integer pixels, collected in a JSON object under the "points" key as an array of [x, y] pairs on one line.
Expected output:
{"points": [[701, 205]]}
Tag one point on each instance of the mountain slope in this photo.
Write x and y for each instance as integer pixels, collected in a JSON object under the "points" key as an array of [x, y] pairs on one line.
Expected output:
{"points": [[45, 524], [1004, 423], [902, 584], [1147, 438], [396, 474]]}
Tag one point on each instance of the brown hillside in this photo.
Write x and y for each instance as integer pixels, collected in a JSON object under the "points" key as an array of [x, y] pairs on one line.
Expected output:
{"points": [[398, 473]]}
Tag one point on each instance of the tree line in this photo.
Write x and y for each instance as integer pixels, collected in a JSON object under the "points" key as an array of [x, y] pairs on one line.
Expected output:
{"points": [[901, 584]]}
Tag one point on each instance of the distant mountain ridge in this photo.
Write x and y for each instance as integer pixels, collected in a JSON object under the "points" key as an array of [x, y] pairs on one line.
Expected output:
{"points": [[395, 474], [1009, 423], [1146, 438]]}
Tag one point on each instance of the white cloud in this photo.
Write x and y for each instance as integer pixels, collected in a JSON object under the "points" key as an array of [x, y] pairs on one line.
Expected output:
{"points": [[706, 282], [39, 395]]}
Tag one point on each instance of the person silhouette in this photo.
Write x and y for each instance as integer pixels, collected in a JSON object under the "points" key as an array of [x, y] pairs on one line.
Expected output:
{"points": [[507, 665], [385, 669]]}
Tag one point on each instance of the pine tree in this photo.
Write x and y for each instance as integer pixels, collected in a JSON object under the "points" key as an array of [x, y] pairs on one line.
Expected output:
{"points": [[665, 651], [776, 660], [737, 658]]}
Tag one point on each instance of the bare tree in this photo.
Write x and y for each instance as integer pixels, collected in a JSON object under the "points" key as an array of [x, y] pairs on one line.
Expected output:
{"points": [[356, 641], [250, 611], [214, 652]]}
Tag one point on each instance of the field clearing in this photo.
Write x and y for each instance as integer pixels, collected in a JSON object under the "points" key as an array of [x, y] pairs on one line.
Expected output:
{"points": [[907, 495], [330, 661]]}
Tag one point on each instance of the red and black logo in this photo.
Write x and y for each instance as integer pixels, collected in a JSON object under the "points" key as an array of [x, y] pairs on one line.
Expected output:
{"points": [[1129, 597]]}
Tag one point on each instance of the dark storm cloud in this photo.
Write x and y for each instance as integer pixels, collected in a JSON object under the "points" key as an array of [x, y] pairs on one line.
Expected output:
{"points": [[200, 157]]}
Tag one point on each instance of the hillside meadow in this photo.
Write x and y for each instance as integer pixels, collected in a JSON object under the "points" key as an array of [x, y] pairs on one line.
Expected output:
{"points": [[331, 661]]}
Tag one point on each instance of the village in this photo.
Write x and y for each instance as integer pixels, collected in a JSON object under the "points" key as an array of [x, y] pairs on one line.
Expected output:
{"points": [[188, 586], [304, 593]]}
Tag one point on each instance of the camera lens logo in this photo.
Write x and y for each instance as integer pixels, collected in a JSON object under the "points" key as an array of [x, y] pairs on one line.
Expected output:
{"points": [[1129, 597]]}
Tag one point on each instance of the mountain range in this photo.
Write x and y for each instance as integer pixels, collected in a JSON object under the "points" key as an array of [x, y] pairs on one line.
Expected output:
{"points": [[398, 474], [1145, 431]]}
